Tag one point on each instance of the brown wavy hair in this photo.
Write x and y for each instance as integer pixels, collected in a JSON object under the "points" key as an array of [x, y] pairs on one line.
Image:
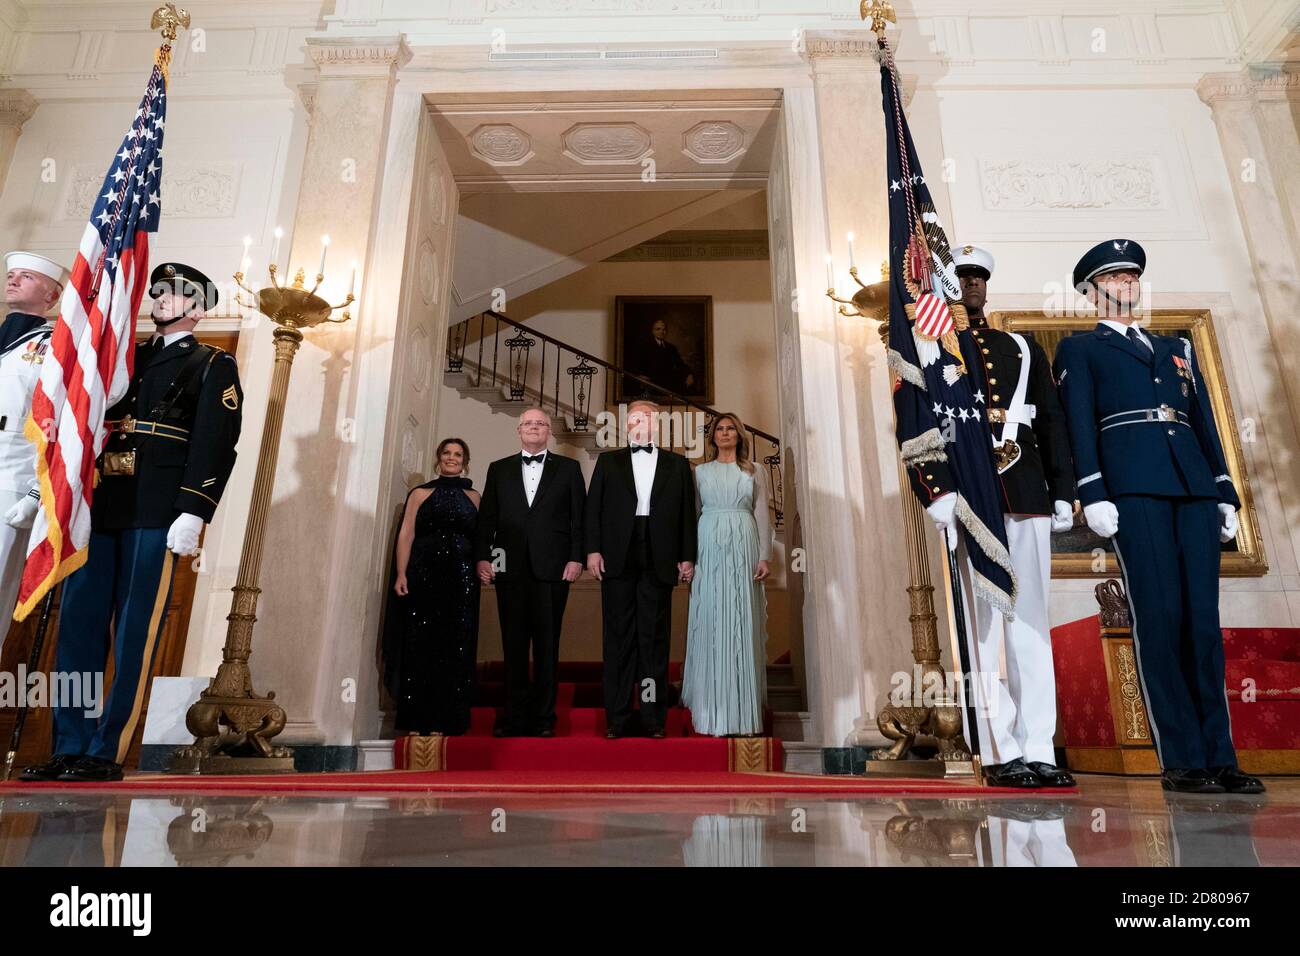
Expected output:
{"points": [[442, 445], [742, 441]]}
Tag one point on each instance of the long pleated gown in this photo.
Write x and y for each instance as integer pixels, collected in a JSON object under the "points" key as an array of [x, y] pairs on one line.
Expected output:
{"points": [[725, 679]]}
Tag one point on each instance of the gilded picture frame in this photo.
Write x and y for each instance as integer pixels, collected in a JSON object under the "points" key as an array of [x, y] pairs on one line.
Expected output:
{"points": [[1075, 553]]}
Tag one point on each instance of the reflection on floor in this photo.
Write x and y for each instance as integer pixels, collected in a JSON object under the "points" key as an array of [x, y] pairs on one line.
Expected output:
{"points": [[1112, 822]]}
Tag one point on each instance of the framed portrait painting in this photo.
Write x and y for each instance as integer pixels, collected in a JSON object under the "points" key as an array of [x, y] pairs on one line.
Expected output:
{"points": [[666, 341], [1079, 552]]}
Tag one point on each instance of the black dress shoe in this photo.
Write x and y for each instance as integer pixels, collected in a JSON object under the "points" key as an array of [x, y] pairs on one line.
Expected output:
{"points": [[658, 734], [546, 732], [1234, 781], [1013, 773], [1190, 781], [92, 770], [1050, 774], [612, 734], [49, 770]]}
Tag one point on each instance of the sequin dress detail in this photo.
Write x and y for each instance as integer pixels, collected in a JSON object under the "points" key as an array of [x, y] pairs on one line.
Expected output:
{"points": [[440, 614]]}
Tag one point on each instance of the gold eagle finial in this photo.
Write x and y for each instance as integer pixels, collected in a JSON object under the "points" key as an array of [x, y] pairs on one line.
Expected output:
{"points": [[168, 18], [880, 11]]}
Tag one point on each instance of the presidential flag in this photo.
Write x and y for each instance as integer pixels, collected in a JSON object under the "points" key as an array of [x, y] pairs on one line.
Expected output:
{"points": [[940, 413], [89, 363]]}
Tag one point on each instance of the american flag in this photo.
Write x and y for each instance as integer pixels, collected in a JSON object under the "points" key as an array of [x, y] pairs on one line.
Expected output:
{"points": [[90, 361]]}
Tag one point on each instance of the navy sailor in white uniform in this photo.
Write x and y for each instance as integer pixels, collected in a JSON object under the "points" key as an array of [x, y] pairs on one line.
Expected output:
{"points": [[33, 285], [1152, 476]]}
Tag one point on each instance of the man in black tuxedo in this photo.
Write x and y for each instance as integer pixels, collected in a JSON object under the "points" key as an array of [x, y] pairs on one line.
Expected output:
{"points": [[530, 543], [640, 529]]}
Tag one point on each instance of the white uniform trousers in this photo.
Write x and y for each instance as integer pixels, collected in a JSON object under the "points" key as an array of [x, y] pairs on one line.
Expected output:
{"points": [[13, 555], [1015, 708], [1029, 842]]}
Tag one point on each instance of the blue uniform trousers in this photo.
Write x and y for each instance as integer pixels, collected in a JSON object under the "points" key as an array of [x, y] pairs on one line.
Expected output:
{"points": [[1168, 550], [118, 597]]}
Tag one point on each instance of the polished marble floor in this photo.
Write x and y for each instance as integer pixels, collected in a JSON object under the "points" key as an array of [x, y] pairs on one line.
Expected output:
{"points": [[1111, 822]]}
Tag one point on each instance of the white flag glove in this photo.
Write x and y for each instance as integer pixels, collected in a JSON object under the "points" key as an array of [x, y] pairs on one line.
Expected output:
{"points": [[1063, 518], [183, 535], [23, 513], [1102, 518], [1227, 523], [942, 512]]}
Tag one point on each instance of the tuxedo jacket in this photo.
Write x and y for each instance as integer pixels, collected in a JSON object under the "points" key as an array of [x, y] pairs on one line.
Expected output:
{"points": [[611, 512], [1104, 375], [541, 538]]}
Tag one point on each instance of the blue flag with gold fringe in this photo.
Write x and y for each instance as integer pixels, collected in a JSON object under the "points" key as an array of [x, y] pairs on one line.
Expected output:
{"points": [[941, 415]]}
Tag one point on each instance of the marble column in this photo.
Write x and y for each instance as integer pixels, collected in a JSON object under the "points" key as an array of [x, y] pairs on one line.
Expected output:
{"points": [[836, 392], [16, 108], [318, 580], [1255, 114]]}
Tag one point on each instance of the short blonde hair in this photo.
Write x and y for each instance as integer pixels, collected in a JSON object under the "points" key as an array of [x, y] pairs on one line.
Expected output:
{"points": [[643, 403]]}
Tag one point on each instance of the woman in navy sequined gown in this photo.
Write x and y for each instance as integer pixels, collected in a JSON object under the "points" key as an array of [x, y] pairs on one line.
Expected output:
{"points": [[437, 591]]}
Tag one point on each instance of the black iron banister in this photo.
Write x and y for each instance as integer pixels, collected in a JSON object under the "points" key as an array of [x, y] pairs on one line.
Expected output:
{"points": [[580, 375], [672, 398]]}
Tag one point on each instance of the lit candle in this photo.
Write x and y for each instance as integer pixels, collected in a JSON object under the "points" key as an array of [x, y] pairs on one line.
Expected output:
{"points": [[352, 286], [243, 260], [324, 248], [830, 273], [275, 246], [852, 264]]}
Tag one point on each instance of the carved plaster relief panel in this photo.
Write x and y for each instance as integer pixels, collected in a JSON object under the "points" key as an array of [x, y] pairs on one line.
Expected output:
{"points": [[501, 144], [603, 144], [718, 141], [190, 190]]}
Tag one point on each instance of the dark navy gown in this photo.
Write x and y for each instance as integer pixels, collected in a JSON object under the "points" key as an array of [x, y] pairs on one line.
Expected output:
{"points": [[433, 681]]}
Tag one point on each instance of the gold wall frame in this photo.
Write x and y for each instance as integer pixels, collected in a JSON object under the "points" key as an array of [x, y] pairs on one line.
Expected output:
{"points": [[1244, 555]]}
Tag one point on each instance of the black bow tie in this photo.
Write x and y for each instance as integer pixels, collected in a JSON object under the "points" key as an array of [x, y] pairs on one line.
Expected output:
{"points": [[533, 459], [643, 447]]}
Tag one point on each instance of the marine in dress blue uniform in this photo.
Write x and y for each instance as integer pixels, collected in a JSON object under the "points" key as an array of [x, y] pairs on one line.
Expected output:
{"points": [[164, 466], [1152, 475]]}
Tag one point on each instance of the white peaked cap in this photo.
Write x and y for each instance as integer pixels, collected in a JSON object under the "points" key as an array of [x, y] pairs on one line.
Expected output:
{"points": [[35, 263], [973, 256]]}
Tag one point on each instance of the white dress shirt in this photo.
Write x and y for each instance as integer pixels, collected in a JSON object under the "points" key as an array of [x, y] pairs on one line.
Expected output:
{"points": [[169, 337], [1122, 329], [643, 472], [532, 472]]}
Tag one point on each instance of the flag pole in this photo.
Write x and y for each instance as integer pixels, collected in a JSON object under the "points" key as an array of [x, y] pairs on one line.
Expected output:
{"points": [[961, 647], [33, 663]]}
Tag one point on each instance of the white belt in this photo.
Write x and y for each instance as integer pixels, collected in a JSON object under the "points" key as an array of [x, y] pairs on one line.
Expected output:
{"points": [[1018, 412]]}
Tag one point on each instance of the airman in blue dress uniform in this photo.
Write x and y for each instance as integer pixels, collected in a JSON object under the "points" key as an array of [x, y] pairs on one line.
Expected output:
{"points": [[1152, 476], [165, 464]]}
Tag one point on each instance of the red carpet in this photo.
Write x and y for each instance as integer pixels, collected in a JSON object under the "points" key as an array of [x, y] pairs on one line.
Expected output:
{"points": [[579, 744], [535, 781]]}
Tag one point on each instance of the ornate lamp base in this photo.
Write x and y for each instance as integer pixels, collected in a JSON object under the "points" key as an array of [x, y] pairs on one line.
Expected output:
{"points": [[902, 725]]}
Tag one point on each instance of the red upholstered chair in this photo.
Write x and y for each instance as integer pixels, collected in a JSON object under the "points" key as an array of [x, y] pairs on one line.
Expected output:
{"points": [[1103, 719]]}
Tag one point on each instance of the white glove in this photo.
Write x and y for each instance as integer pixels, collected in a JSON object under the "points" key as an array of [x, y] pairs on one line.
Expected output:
{"points": [[183, 535], [1063, 518], [23, 513], [942, 512], [1227, 523], [1102, 518]]}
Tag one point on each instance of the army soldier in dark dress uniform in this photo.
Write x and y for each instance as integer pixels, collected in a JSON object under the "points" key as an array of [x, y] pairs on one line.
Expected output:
{"points": [[1017, 713], [1153, 477], [165, 464]]}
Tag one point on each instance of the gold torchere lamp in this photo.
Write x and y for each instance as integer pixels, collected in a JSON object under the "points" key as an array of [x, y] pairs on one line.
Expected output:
{"points": [[904, 723], [231, 723]]}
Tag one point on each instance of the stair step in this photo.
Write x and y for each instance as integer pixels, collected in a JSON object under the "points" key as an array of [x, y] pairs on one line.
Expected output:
{"points": [[784, 698]]}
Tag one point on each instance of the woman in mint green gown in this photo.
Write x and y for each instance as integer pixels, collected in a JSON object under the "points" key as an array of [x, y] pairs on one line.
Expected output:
{"points": [[725, 679]]}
